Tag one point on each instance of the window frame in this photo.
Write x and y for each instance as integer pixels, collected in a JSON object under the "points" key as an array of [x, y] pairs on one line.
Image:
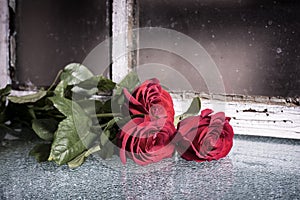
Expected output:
{"points": [[124, 18], [4, 44]]}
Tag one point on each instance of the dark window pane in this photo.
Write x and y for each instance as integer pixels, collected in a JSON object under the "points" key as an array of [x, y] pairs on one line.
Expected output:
{"points": [[53, 33], [254, 43]]}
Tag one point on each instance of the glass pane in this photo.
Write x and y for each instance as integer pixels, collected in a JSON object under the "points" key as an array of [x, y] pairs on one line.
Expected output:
{"points": [[254, 43], [53, 33]]}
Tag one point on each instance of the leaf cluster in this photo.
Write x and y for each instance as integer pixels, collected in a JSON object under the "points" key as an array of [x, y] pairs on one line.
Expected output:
{"points": [[69, 118]]}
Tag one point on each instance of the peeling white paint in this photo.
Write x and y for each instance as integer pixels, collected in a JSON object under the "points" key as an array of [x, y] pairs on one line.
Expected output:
{"points": [[120, 66], [252, 118], [4, 28]]}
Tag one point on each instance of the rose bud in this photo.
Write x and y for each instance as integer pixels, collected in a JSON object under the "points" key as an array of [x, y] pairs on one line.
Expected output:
{"points": [[206, 137]]}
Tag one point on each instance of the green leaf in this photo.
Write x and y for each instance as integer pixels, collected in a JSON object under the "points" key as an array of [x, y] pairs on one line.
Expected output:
{"points": [[94, 85], [41, 152], [84, 92], [31, 98], [73, 135], [76, 162], [105, 84], [66, 144], [31, 113], [91, 106], [44, 128], [89, 83], [102, 83], [106, 132], [191, 111], [60, 88], [72, 74], [107, 107], [129, 82], [5, 91], [194, 107]]}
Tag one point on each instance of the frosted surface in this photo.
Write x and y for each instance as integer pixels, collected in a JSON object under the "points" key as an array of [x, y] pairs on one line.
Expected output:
{"points": [[256, 168]]}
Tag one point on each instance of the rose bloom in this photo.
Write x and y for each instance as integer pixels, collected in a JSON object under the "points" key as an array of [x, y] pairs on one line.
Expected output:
{"points": [[146, 141], [204, 138], [150, 99]]}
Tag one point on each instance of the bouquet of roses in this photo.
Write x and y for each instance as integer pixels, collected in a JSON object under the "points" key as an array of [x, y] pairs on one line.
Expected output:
{"points": [[137, 122]]}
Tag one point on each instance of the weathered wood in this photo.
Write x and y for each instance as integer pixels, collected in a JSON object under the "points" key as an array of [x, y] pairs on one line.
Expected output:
{"points": [[253, 118], [4, 15], [124, 40], [120, 61]]}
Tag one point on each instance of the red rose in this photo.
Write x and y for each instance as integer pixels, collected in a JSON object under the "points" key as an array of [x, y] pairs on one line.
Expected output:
{"points": [[146, 141], [206, 137], [150, 99]]}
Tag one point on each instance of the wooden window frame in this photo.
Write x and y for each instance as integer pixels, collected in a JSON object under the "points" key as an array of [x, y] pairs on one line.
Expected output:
{"points": [[4, 44]]}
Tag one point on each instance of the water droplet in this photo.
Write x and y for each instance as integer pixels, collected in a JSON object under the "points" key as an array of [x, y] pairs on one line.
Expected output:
{"points": [[173, 24], [279, 50], [250, 45], [213, 36], [7, 122], [270, 22]]}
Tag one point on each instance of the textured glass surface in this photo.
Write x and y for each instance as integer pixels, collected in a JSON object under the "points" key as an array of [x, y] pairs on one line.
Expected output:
{"points": [[258, 168]]}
